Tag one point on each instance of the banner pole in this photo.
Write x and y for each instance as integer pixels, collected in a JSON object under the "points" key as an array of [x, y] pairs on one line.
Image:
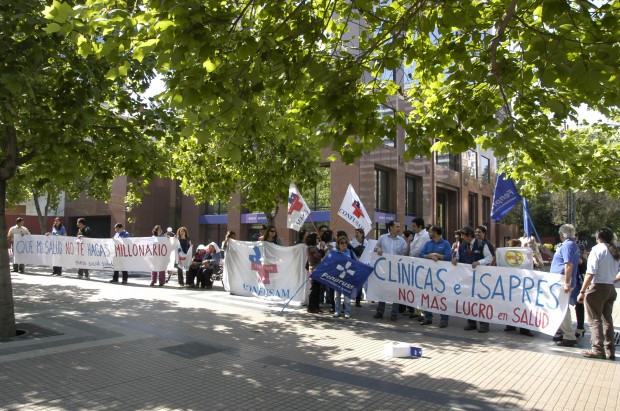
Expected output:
{"points": [[316, 230], [291, 299]]}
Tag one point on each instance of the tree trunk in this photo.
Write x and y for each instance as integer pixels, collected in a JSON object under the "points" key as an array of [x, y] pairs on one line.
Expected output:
{"points": [[8, 328], [8, 167], [271, 218], [41, 214]]}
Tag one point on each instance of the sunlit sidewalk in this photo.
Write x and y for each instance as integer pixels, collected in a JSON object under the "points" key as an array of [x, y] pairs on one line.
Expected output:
{"points": [[96, 345]]}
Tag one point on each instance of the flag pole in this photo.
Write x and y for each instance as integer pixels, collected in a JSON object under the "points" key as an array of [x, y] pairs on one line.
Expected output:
{"points": [[291, 299], [316, 230]]}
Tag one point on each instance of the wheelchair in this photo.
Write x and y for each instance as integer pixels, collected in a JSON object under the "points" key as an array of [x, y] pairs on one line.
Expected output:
{"points": [[218, 275]]}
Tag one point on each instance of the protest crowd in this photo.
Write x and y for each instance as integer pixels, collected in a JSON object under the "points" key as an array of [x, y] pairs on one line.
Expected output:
{"points": [[338, 268]]}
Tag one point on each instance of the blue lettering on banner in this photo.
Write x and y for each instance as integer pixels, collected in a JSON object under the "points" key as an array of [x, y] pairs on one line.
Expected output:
{"points": [[98, 250], [414, 275], [52, 247], [267, 292], [485, 286], [24, 247], [375, 272]]}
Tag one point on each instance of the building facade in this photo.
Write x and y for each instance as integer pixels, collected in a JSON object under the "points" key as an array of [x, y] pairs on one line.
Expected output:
{"points": [[451, 191]]}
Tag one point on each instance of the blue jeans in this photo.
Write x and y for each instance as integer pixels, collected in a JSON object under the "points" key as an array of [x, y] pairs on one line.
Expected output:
{"points": [[381, 308], [347, 304], [429, 316]]}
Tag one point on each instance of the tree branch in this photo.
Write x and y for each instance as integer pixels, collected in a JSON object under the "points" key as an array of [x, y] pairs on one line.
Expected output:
{"points": [[501, 29]]}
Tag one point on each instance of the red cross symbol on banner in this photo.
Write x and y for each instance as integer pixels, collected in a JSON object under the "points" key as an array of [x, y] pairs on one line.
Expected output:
{"points": [[357, 211], [263, 271], [295, 204]]}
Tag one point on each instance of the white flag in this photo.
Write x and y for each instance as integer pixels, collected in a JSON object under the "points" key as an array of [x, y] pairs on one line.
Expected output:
{"points": [[298, 210], [354, 212]]}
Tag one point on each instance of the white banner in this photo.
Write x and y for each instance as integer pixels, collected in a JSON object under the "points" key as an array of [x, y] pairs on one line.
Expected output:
{"points": [[354, 212], [120, 254], [266, 270], [512, 296]]}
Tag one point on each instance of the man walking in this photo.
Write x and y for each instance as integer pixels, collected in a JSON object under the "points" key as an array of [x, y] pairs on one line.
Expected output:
{"points": [[120, 233], [475, 252], [391, 243], [18, 228]]}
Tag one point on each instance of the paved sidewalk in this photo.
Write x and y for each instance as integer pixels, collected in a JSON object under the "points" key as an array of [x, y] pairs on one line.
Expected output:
{"points": [[136, 347]]}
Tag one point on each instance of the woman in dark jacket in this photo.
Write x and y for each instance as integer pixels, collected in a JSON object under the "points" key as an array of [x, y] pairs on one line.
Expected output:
{"points": [[314, 256], [185, 243]]}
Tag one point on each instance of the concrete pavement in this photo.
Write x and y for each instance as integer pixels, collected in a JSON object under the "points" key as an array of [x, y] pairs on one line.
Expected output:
{"points": [[93, 345]]}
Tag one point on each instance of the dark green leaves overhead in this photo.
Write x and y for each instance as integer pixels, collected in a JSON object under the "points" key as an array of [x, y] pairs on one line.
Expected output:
{"points": [[231, 68]]}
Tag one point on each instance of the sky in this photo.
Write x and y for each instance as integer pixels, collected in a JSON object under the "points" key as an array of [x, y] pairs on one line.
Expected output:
{"points": [[158, 85]]}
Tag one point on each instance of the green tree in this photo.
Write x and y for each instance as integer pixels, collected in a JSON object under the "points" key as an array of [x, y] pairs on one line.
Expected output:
{"points": [[502, 74], [541, 209], [261, 171], [550, 210], [63, 119], [505, 75], [592, 211]]}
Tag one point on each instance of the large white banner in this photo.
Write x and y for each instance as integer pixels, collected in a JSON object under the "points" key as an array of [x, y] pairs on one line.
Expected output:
{"points": [[123, 254], [512, 296], [266, 270]]}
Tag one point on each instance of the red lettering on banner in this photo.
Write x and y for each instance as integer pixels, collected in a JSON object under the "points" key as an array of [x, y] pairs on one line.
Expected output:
{"points": [[533, 318], [435, 303], [406, 295], [476, 310]]}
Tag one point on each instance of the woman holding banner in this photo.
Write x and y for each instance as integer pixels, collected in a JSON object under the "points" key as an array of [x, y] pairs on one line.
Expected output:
{"points": [[342, 246], [158, 232], [57, 229], [185, 244], [599, 294], [271, 236]]}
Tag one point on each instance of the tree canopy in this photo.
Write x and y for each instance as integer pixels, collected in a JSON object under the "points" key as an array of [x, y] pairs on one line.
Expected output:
{"points": [[501, 74], [63, 121], [259, 83]]}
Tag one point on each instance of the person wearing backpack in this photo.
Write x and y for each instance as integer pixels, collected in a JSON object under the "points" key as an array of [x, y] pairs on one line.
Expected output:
{"points": [[475, 252]]}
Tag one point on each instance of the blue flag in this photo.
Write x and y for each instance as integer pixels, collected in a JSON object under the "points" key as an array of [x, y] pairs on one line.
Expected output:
{"points": [[342, 273], [505, 197], [526, 219]]}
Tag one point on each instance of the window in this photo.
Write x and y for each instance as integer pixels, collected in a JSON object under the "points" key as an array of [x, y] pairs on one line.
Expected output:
{"points": [[411, 199], [219, 207], [472, 163], [387, 111], [485, 165], [486, 211], [448, 160], [382, 190], [473, 209]]}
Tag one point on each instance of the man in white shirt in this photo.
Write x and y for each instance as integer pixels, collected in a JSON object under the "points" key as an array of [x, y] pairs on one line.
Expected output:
{"points": [[420, 238], [391, 243], [18, 228]]}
